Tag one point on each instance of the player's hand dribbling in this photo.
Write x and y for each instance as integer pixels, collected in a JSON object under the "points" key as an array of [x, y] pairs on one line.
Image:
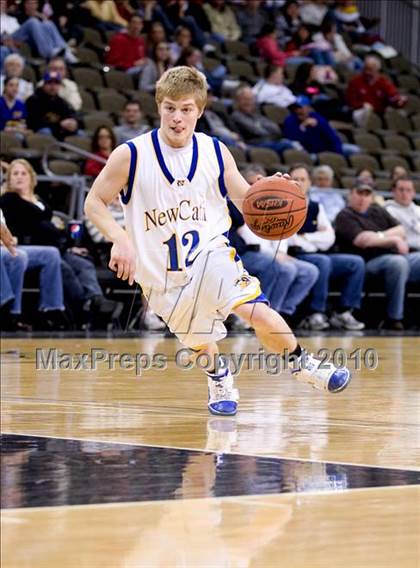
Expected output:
{"points": [[123, 260]]}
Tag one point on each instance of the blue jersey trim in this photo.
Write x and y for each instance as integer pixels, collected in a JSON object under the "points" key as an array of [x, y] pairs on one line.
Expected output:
{"points": [[125, 197], [261, 298], [222, 185], [161, 160]]}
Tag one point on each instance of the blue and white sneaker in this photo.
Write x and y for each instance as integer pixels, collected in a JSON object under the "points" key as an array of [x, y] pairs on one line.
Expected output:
{"points": [[223, 398], [326, 377]]}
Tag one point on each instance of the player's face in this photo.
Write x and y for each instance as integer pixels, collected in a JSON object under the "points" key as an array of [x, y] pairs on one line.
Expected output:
{"points": [[178, 119], [20, 180]]}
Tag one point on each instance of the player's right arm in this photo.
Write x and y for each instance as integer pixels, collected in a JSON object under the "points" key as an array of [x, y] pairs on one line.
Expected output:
{"points": [[105, 188]]}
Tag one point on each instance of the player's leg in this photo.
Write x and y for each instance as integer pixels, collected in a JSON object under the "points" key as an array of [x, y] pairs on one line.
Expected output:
{"points": [[222, 396], [276, 336]]}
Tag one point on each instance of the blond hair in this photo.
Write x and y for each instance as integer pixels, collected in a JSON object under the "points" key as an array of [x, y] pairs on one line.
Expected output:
{"points": [[182, 81], [27, 167]]}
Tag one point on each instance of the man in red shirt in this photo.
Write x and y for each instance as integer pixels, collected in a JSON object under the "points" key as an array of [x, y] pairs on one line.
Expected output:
{"points": [[127, 50], [372, 91]]}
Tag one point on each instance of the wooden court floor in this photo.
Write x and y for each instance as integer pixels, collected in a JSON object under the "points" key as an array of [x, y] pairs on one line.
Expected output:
{"points": [[108, 467]]}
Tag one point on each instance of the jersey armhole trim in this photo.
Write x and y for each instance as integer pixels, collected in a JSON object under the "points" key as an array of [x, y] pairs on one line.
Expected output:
{"points": [[125, 197], [222, 186]]}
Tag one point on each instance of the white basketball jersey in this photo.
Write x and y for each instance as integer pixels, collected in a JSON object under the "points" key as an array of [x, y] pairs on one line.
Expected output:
{"points": [[175, 206]]}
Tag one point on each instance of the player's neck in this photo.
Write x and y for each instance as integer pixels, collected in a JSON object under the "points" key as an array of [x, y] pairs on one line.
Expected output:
{"points": [[172, 143]]}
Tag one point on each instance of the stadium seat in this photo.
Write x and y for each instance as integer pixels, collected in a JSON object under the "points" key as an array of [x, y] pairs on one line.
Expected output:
{"points": [[409, 82], [295, 156], [266, 157], [86, 55], [368, 141], [39, 141], [84, 143], [397, 143], [10, 145], [239, 155], [111, 102], [91, 36], [397, 120], [237, 49], [88, 100], [336, 161], [29, 74], [147, 103], [361, 161], [63, 167], [275, 113], [242, 70], [87, 78], [119, 80], [93, 120], [390, 162]]}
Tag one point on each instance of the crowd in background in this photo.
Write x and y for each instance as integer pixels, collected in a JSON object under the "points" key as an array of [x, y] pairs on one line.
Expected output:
{"points": [[334, 88]]}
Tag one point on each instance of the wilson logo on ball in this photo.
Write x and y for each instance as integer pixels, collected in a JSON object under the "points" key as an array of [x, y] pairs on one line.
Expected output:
{"points": [[270, 202], [273, 224]]}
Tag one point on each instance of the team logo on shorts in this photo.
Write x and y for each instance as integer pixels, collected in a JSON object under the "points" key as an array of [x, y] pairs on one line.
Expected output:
{"points": [[243, 281]]}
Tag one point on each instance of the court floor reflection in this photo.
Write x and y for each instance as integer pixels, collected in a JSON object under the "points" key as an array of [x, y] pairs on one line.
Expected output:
{"points": [[39, 472]]}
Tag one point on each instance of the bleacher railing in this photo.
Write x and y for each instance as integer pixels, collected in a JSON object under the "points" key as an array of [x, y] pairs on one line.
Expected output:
{"points": [[78, 183]]}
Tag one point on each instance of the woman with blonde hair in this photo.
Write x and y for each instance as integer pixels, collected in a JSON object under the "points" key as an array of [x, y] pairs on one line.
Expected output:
{"points": [[19, 185], [29, 219]]}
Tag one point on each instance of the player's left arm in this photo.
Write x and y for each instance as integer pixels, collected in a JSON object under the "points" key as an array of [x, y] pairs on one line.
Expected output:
{"points": [[236, 184]]}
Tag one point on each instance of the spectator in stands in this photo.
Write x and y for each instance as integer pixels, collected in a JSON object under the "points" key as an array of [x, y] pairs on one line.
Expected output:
{"points": [[304, 48], [103, 142], [312, 243], [20, 176], [365, 175], [405, 211], [256, 129], [339, 50], [313, 131], [124, 9], [127, 49], [192, 57], [288, 21], [155, 67], [155, 35], [271, 90], [224, 26], [106, 14], [29, 219], [211, 123], [398, 172], [368, 229], [132, 123], [313, 12], [322, 191], [13, 67], [268, 48], [309, 81], [285, 281], [12, 110], [251, 19], [42, 34], [69, 90], [48, 113], [177, 14], [13, 264], [182, 40], [348, 19], [370, 91]]}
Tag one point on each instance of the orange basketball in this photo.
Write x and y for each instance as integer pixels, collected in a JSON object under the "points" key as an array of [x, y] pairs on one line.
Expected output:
{"points": [[274, 208]]}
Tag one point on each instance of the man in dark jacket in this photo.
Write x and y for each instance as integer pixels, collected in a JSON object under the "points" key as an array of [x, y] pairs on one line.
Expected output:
{"points": [[48, 113], [368, 229]]}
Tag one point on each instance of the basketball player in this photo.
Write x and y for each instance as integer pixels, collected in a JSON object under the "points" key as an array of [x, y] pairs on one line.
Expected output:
{"points": [[176, 240]]}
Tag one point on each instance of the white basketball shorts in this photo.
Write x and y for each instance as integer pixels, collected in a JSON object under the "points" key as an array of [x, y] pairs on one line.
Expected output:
{"points": [[195, 312]]}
